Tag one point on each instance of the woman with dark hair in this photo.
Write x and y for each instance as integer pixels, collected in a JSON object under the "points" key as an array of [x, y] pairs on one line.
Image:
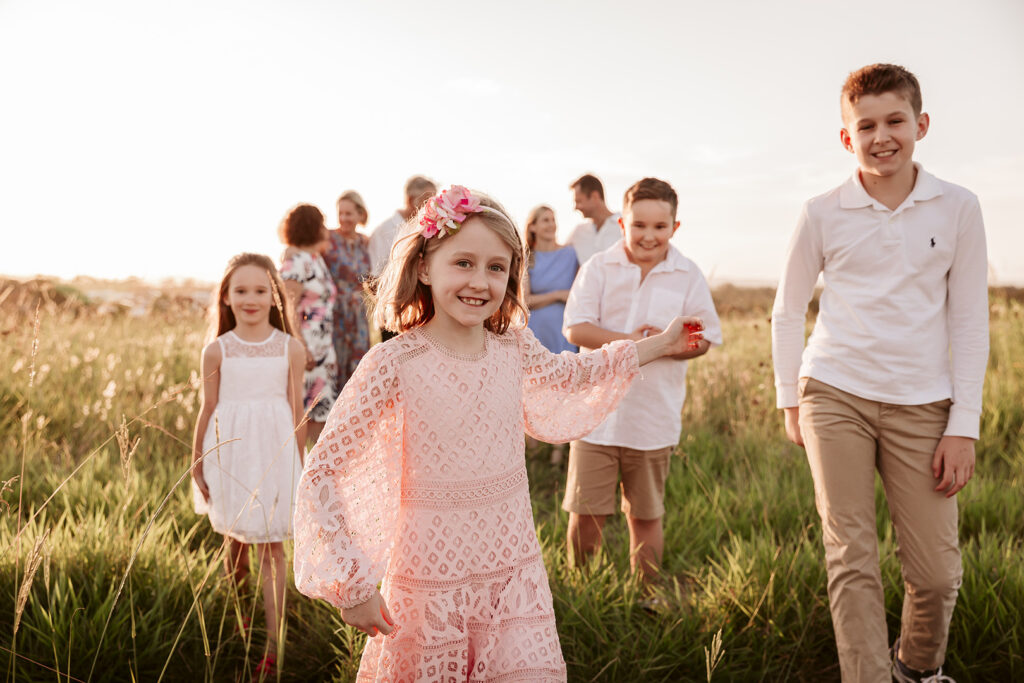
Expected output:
{"points": [[310, 287], [348, 259]]}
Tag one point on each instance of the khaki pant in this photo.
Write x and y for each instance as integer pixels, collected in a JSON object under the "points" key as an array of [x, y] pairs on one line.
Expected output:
{"points": [[847, 439]]}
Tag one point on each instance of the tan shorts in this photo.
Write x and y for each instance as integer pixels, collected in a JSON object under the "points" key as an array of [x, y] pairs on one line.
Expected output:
{"points": [[594, 472]]}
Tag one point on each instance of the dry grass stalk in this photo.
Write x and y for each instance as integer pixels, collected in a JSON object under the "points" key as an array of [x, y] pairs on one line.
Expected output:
{"points": [[35, 349], [127, 447], [34, 558], [4, 488]]}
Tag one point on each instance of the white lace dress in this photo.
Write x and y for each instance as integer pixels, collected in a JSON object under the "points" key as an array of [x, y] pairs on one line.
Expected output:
{"points": [[254, 471]]}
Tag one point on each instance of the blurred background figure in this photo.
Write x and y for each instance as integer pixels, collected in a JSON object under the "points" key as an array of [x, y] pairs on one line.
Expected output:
{"points": [[551, 270], [418, 189], [310, 287], [348, 259], [601, 229]]}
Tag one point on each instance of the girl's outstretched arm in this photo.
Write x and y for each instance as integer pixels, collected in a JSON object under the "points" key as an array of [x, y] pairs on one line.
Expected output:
{"points": [[209, 373], [346, 510], [296, 373], [674, 341]]}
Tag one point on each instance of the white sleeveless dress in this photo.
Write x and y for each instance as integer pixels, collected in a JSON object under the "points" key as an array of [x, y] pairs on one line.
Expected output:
{"points": [[253, 473]]}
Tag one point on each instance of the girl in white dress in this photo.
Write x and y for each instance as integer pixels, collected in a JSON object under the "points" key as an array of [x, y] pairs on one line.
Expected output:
{"points": [[245, 460]]}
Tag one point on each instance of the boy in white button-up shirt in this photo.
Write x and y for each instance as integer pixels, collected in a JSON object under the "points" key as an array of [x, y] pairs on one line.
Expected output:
{"points": [[633, 289], [891, 377]]}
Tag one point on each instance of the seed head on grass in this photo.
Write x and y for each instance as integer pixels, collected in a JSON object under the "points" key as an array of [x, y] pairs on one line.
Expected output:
{"points": [[713, 657], [127, 447], [31, 566]]}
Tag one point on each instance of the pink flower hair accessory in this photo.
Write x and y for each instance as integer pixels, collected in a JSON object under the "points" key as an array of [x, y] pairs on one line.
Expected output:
{"points": [[444, 213]]}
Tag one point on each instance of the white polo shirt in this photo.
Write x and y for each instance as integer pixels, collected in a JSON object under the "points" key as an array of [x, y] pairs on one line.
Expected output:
{"points": [[608, 293], [903, 318], [587, 240], [381, 239]]}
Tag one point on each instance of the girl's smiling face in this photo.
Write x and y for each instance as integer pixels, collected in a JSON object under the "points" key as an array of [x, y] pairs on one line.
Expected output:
{"points": [[249, 296], [467, 275]]}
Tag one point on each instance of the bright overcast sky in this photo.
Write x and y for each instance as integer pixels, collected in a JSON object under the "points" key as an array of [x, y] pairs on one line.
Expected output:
{"points": [[157, 139]]}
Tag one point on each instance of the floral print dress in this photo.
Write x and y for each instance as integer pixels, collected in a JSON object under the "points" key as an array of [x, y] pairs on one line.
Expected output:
{"points": [[348, 260], [316, 323]]}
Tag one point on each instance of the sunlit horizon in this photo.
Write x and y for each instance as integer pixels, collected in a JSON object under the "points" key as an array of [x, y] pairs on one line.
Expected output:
{"points": [[157, 140]]}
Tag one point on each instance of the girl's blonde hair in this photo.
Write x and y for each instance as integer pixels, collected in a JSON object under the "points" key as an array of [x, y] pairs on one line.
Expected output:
{"points": [[357, 199], [398, 301], [222, 318]]}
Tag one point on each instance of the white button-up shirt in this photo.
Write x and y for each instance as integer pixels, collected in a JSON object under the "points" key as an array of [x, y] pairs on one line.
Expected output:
{"points": [[381, 239], [903, 318], [609, 294], [588, 240]]}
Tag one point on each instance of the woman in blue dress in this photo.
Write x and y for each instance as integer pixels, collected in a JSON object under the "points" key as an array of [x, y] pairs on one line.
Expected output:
{"points": [[552, 268]]}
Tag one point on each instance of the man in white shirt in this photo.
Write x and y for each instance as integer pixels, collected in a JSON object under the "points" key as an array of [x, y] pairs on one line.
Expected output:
{"points": [[601, 229], [633, 289], [418, 189], [892, 375]]}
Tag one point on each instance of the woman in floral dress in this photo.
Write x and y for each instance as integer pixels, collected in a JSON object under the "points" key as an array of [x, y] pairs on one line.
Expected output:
{"points": [[348, 259], [309, 285]]}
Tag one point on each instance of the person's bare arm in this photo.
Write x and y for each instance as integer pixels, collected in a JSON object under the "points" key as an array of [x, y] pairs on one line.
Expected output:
{"points": [[209, 373], [293, 290], [296, 365], [590, 336], [677, 338]]}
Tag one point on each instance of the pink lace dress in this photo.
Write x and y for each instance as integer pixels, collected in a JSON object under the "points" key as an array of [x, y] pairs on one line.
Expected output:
{"points": [[419, 479]]}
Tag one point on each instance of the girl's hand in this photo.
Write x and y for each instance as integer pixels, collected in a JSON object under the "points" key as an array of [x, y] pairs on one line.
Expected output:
{"points": [[682, 335], [197, 476], [371, 617]]}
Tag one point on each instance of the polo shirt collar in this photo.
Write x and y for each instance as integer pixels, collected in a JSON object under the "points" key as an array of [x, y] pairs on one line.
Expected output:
{"points": [[674, 260], [852, 194]]}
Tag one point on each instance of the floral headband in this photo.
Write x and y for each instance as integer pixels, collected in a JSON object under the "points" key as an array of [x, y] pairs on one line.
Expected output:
{"points": [[445, 212]]}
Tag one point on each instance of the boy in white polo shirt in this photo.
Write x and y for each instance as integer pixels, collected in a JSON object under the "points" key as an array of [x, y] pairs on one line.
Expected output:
{"points": [[891, 378], [633, 289]]}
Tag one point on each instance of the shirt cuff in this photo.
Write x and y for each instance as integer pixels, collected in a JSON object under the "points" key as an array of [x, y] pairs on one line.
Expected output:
{"points": [[787, 395], [963, 422]]}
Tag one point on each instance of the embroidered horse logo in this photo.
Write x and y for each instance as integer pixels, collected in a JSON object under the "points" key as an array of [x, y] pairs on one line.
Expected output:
{"points": [[933, 243]]}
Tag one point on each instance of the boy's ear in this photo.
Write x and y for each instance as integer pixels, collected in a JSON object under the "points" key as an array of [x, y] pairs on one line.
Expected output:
{"points": [[923, 121], [622, 226], [421, 271], [675, 227], [844, 137]]}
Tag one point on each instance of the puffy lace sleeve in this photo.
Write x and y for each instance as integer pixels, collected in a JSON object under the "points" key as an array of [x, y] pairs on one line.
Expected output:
{"points": [[566, 395], [347, 502]]}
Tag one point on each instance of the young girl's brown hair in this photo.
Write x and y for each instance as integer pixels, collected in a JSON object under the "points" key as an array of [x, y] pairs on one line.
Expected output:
{"points": [[221, 317], [398, 301]]}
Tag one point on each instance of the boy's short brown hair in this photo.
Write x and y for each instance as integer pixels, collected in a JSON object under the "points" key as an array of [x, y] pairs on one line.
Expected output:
{"points": [[588, 184], [876, 79], [651, 188]]}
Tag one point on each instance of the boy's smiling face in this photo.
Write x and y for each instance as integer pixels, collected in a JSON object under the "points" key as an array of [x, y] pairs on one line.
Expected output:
{"points": [[648, 225], [881, 130]]}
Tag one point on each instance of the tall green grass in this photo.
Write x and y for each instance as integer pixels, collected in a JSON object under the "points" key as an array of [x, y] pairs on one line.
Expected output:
{"points": [[116, 587]]}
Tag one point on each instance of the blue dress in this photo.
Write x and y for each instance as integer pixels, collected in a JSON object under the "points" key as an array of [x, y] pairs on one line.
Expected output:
{"points": [[551, 271]]}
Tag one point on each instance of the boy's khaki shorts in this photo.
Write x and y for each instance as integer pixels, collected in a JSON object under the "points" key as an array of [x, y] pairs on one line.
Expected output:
{"points": [[594, 471]]}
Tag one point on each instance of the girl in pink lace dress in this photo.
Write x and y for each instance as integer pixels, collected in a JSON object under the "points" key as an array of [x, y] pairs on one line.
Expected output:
{"points": [[245, 460], [418, 481]]}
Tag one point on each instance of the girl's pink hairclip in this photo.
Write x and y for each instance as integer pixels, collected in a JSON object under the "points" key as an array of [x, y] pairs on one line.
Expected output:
{"points": [[444, 213]]}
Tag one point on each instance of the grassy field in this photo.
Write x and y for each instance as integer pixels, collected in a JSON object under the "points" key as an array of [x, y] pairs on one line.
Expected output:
{"points": [[106, 574]]}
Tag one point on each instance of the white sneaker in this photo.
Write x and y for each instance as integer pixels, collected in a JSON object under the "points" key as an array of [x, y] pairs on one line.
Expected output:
{"points": [[901, 673]]}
